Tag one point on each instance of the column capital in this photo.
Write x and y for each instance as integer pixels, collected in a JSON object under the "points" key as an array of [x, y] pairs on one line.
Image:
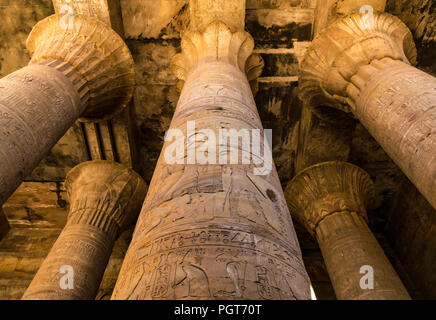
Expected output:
{"points": [[217, 43], [104, 194], [347, 44], [327, 188], [96, 51]]}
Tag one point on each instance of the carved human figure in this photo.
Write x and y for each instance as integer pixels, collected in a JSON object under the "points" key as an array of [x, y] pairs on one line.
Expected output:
{"points": [[216, 209]]}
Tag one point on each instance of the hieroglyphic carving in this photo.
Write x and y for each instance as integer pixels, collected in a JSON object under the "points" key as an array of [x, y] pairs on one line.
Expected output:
{"points": [[396, 103], [328, 11], [331, 199], [38, 104], [217, 43], [367, 71], [212, 263], [105, 198], [97, 52], [339, 50], [205, 230], [230, 12]]}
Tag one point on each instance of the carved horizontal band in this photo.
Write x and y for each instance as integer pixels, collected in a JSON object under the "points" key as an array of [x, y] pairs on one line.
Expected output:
{"points": [[217, 44], [79, 83], [337, 53], [96, 51], [103, 194], [327, 188]]}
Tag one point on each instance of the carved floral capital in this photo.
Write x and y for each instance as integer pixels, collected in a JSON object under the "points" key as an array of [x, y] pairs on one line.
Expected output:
{"points": [[96, 51], [217, 44], [327, 188], [104, 193], [347, 44]]}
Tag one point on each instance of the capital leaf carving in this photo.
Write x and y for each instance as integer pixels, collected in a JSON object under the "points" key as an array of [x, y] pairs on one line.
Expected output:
{"points": [[97, 52], [217, 44], [327, 188], [106, 189], [339, 50]]}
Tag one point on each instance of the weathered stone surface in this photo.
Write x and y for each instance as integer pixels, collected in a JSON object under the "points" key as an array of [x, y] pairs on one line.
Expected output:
{"points": [[411, 229], [328, 11], [41, 101], [330, 199], [326, 135], [220, 222], [4, 224], [279, 28], [217, 43], [204, 12], [38, 104], [156, 99], [105, 198], [21, 253], [105, 61], [366, 71], [69, 151], [38, 205], [420, 18], [396, 103], [326, 74], [23, 250], [113, 139], [152, 19]]}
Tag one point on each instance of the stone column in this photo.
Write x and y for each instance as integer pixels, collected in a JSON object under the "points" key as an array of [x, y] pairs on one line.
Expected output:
{"points": [[326, 136], [211, 229], [330, 199], [82, 69], [363, 66], [105, 198]]}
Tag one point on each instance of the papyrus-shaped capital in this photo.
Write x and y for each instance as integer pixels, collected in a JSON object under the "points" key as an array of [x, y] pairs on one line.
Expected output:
{"points": [[96, 51], [327, 188]]}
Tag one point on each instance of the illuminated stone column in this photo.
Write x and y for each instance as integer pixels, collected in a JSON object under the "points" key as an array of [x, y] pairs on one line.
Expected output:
{"points": [[82, 69], [211, 229], [330, 199], [362, 66], [105, 198]]}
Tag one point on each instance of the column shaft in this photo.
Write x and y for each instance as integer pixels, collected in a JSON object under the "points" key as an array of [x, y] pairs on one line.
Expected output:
{"points": [[330, 199], [38, 103], [347, 244], [397, 104], [214, 231], [105, 198], [85, 248]]}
